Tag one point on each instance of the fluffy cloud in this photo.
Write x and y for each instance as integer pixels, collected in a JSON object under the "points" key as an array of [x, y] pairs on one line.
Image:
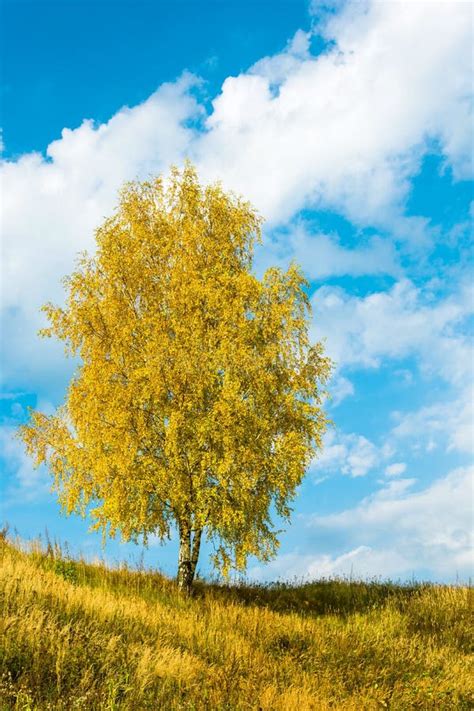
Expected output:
{"points": [[361, 562], [349, 454], [339, 389], [393, 533], [395, 469], [429, 529], [323, 255], [347, 129], [447, 424], [405, 321], [51, 206]]}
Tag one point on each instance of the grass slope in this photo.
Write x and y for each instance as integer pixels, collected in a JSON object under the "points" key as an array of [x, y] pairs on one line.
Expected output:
{"points": [[81, 636]]}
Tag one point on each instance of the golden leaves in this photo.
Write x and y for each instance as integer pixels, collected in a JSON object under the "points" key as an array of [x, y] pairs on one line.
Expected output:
{"points": [[198, 396]]}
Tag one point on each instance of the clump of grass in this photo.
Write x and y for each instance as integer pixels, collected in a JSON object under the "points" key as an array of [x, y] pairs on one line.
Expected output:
{"points": [[81, 636]]}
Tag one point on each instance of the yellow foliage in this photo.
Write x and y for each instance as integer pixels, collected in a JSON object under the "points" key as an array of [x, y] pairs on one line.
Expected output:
{"points": [[197, 401]]}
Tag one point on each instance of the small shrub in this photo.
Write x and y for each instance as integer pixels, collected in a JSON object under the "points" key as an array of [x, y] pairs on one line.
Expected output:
{"points": [[67, 569]]}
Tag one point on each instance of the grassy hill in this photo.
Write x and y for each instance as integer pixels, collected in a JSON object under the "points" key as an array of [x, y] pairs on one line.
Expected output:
{"points": [[81, 636]]}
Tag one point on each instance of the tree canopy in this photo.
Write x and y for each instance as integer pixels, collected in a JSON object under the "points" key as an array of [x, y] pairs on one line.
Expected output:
{"points": [[197, 399]]}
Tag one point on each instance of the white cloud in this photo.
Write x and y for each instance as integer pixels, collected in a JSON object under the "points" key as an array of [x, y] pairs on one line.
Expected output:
{"points": [[393, 533], [339, 389], [50, 208], [349, 454], [361, 562], [395, 469], [448, 424], [323, 256], [429, 529], [347, 129], [405, 321]]}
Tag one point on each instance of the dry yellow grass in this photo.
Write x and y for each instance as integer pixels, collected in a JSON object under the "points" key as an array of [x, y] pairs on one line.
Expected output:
{"points": [[76, 636]]}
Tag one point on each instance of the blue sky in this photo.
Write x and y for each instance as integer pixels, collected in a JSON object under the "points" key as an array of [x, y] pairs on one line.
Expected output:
{"points": [[349, 126]]}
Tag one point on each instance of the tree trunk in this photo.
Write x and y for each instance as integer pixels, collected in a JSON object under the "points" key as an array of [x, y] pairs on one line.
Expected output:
{"points": [[188, 557], [196, 548]]}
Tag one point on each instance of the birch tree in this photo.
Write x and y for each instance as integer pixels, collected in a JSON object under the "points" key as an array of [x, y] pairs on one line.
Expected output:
{"points": [[197, 402]]}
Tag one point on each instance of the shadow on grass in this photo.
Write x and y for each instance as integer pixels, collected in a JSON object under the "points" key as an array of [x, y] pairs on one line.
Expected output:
{"points": [[339, 596]]}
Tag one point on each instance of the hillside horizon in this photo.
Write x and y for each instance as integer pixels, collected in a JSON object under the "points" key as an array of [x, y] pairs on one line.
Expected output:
{"points": [[76, 635]]}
